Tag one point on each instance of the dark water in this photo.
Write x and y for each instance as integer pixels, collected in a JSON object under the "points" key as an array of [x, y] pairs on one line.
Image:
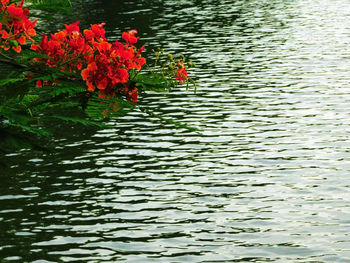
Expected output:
{"points": [[268, 178]]}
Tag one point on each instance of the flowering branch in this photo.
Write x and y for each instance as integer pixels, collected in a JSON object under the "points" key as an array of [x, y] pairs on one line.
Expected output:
{"points": [[73, 64]]}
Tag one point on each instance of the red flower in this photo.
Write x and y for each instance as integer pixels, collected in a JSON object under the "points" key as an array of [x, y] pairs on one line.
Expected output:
{"points": [[104, 66], [18, 49], [89, 35], [181, 74], [4, 34], [98, 31], [15, 25], [130, 36], [14, 10], [102, 84], [22, 40], [72, 27], [133, 95]]}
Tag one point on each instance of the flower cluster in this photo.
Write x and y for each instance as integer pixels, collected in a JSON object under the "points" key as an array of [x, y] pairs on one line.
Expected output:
{"points": [[66, 49], [110, 65], [104, 66], [15, 27]]}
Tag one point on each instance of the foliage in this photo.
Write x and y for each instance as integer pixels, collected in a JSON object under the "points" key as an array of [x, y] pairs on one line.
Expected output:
{"points": [[53, 6], [71, 76]]}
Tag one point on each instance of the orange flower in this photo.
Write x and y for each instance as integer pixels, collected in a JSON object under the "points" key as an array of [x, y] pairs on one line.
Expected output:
{"points": [[60, 36], [4, 34], [21, 40], [31, 32], [18, 49], [90, 86], [85, 74], [89, 35], [102, 84], [103, 46], [34, 47]]}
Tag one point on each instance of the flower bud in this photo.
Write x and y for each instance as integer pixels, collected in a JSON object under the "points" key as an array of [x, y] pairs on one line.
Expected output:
{"points": [[191, 64]]}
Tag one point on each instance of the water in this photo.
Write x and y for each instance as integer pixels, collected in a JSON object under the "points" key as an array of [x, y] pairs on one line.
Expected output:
{"points": [[267, 179]]}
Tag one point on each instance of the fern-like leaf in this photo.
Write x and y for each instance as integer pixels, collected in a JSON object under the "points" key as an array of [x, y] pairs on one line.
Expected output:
{"points": [[85, 122]]}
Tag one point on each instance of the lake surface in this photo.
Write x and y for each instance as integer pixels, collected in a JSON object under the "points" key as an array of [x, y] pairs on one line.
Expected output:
{"points": [[266, 180]]}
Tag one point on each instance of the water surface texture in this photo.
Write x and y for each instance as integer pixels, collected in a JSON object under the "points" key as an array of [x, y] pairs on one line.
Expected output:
{"points": [[267, 179]]}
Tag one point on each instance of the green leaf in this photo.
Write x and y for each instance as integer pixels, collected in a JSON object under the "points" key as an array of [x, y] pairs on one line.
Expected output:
{"points": [[30, 128], [153, 82], [81, 121], [7, 81], [63, 6], [14, 42], [70, 90], [99, 108]]}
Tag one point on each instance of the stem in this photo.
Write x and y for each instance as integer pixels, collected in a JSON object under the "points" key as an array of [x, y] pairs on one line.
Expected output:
{"points": [[9, 60], [5, 56]]}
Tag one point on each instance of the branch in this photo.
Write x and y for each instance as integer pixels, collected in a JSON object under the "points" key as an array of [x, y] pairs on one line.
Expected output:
{"points": [[11, 62]]}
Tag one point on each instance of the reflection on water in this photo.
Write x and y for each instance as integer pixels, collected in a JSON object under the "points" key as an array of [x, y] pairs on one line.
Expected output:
{"points": [[266, 181]]}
